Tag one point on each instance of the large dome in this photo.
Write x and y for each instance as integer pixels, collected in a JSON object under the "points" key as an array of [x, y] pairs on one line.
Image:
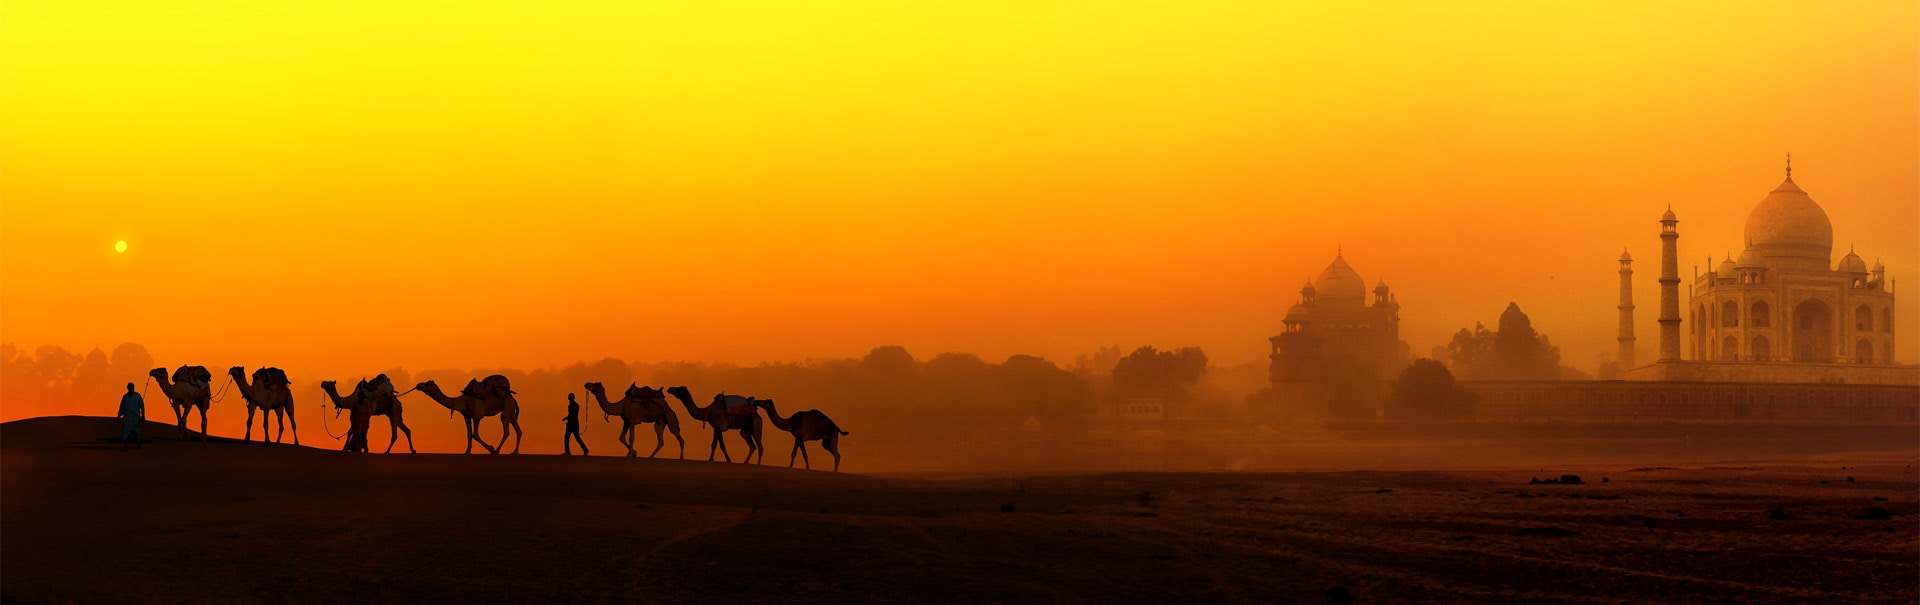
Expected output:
{"points": [[1789, 223], [1339, 284]]}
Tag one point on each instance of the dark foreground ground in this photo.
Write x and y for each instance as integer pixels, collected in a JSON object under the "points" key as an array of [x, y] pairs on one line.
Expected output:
{"points": [[83, 522]]}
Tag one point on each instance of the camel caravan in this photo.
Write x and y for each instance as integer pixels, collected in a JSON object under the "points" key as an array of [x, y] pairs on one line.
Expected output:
{"points": [[269, 393]]}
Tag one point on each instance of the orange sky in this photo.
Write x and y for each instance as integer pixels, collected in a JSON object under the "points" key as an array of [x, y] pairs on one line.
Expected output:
{"points": [[344, 186]]}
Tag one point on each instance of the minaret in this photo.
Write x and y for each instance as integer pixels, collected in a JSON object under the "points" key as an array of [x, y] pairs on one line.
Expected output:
{"points": [[1626, 311], [1669, 287]]}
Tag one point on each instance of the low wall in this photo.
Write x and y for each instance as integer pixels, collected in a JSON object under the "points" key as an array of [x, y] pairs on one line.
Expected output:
{"points": [[1769, 372], [1643, 400]]}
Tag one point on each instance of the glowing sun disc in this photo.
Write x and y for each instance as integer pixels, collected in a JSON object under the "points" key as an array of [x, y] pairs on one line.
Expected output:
{"points": [[120, 246]]}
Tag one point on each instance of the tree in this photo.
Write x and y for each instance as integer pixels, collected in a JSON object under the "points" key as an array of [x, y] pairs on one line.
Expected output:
{"points": [[1513, 352], [1425, 391], [1163, 374], [130, 362], [1040, 389]]}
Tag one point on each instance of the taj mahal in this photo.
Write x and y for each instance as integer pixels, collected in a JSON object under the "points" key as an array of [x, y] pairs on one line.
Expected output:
{"points": [[1778, 333], [1781, 311]]}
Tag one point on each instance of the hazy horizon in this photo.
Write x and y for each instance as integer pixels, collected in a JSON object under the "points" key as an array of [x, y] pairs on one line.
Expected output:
{"points": [[331, 189]]}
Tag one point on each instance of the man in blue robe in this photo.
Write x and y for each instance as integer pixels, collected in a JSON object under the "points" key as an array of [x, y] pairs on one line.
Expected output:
{"points": [[133, 411]]}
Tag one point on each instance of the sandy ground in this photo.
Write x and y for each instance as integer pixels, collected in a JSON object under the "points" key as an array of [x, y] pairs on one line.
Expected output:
{"points": [[83, 522]]}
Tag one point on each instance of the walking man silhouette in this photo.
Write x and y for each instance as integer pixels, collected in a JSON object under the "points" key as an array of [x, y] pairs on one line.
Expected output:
{"points": [[133, 411], [573, 429]]}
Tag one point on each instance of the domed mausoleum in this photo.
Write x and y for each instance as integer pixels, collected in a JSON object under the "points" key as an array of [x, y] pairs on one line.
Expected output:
{"points": [[1781, 310], [1334, 323]]}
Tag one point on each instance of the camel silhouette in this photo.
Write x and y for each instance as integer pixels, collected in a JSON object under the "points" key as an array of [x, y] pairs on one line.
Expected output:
{"points": [[742, 416], [806, 425], [377, 398], [191, 387], [641, 405], [357, 430], [469, 408], [496, 396], [270, 394]]}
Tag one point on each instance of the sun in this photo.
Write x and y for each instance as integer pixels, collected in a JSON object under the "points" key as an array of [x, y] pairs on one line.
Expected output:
{"points": [[120, 246]]}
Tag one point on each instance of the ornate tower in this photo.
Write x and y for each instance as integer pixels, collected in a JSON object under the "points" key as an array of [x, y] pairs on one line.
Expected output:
{"points": [[1669, 287], [1626, 311]]}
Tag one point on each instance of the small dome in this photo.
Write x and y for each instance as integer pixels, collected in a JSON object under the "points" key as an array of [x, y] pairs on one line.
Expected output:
{"points": [[1668, 216], [1624, 257], [1339, 283], [1726, 267], [1749, 258], [1877, 267], [1307, 289], [1380, 286], [1788, 223], [1852, 263], [1298, 313]]}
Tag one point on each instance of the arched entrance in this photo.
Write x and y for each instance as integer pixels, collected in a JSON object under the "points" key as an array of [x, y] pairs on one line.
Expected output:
{"points": [[1813, 332], [1762, 349], [1730, 349], [1863, 350]]}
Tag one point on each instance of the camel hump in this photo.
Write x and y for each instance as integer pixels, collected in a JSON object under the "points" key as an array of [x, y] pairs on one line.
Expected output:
{"points": [[270, 377], [498, 383], [194, 374]]}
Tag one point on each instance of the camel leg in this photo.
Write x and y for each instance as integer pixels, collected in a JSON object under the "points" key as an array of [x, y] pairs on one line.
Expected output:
{"points": [[683, 443], [795, 452], [295, 425], [720, 439], [803, 452], [659, 439], [832, 444], [516, 436], [393, 435], [396, 422], [279, 424], [626, 440], [468, 424], [247, 437], [181, 411], [203, 425]]}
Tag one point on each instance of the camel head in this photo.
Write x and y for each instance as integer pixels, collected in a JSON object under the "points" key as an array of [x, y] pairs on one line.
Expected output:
{"points": [[682, 393], [596, 388], [428, 387], [158, 373], [238, 373]]}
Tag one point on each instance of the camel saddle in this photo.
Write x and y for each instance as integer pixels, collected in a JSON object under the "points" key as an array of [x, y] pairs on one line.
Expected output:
{"points": [[196, 375], [270, 377], [737, 406]]}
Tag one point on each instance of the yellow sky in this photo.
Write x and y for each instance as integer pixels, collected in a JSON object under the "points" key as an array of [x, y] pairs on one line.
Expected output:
{"points": [[338, 186]]}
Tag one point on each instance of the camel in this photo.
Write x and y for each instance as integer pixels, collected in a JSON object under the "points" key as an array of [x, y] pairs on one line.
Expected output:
{"points": [[268, 393], [191, 387], [496, 397], [806, 425], [726, 413], [468, 405], [374, 398], [641, 405], [357, 431]]}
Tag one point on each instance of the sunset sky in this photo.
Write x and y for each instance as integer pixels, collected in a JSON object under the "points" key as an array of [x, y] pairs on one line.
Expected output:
{"points": [[344, 186]]}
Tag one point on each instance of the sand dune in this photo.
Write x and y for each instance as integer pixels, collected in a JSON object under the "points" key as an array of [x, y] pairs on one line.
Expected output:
{"points": [[226, 522]]}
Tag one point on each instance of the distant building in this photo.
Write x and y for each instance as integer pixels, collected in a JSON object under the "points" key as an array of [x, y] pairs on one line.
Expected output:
{"points": [[1778, 334], [1333, 321], [1779, 312]]}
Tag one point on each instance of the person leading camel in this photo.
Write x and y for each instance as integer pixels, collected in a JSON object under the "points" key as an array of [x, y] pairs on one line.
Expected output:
{"points": [[133, 411], [573, 429]]}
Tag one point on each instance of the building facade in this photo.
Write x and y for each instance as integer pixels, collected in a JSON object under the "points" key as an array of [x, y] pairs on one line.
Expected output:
{"points": [[1336, 319], [1781, 311]]}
